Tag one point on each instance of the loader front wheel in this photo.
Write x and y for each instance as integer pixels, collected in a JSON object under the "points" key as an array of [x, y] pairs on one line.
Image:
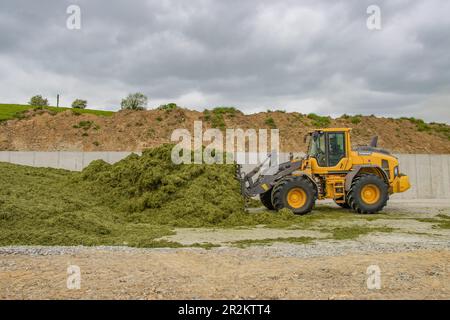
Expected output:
{"points": [[266, 199], [368, 194], [295, 193]]}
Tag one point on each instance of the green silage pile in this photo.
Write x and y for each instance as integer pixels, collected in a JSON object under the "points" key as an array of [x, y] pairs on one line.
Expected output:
{"points": [[152, 189], [133, 202]]}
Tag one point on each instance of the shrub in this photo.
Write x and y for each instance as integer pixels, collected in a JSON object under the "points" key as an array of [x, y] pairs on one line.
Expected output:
{"points": [[206, 115], [134, 101], [356, 119], [168, 107], [79, 104], [420, 124], [217, 121], [215, 116], [86, 125], [38, 101], [319, 121], [231, 111], [270, 122]]}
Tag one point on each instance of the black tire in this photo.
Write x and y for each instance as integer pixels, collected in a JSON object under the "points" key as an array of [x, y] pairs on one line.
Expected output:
{"points": [[343, 205], [287, 184], [266, 199], [355, 199]]}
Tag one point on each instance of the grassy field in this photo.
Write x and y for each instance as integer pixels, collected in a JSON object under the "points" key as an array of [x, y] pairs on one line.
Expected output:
{"points": [[10, 111]]}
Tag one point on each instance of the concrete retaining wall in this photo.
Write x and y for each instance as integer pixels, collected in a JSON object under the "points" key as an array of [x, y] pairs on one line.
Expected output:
{"points": [[429, 174], [74, 161]]}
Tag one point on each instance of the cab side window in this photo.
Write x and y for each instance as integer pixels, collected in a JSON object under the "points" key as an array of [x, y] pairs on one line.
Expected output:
{"points": [[321, 151], [336, 148]]}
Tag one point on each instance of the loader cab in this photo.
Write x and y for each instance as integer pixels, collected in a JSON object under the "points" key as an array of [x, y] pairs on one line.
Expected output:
{"points": [[328, 147]]}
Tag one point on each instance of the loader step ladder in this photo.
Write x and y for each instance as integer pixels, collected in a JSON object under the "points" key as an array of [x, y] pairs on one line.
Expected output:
{"points": [[339, 193]]}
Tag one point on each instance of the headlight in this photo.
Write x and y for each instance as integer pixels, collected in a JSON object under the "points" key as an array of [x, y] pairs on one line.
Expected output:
{"points": [[396, 171]]}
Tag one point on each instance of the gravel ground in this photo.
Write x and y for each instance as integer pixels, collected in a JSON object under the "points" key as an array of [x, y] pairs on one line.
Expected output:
{"points": [[414, 261], [225, 273], [366, 244]]}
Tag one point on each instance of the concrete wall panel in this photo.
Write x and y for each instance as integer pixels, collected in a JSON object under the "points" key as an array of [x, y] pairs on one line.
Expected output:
{"points": [[429, 174], [437, 176], [408, 166], [4, 156], [71, 160], [114, 157], [424, 178], [22, 157], [46, 159]]}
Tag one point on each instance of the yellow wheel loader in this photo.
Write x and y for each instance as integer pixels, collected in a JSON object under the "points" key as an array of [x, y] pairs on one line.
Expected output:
{"points": [[360, 178]]}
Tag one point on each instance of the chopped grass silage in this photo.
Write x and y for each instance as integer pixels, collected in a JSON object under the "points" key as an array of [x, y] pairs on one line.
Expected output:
{"points": [[133, 202], [40, 206]]}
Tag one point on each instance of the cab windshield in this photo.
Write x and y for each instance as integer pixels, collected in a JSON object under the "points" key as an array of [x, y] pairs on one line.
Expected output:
{"points": [[327, 148], [317, 147]]}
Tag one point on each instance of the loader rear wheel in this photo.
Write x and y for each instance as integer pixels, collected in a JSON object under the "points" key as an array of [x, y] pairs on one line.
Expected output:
{"points": [[368, 194], [295, 193], [266, 199]]}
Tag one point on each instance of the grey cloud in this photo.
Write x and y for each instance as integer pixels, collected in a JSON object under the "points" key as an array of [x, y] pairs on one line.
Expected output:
{"points": [[309, 56]]}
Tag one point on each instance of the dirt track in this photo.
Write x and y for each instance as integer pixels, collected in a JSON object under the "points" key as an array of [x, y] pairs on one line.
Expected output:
{"points": [[196, 274]]}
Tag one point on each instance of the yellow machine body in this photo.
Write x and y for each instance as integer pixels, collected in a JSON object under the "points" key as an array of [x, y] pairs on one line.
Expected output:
{"points": [[384, 165]]}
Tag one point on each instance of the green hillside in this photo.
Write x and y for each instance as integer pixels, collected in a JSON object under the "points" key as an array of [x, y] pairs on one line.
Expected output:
{"points": [[11, 111]]}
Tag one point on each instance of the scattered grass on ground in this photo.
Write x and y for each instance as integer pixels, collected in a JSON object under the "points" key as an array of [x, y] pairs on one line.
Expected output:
{"points": [[440, 221], [264, 242], [353, 232]]}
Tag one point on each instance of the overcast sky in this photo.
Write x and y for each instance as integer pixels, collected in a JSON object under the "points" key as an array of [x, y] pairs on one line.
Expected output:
{"points": [[306, 56]]}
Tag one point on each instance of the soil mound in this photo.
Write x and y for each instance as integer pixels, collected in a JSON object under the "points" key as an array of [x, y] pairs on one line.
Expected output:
{"points": [[139, 130]]}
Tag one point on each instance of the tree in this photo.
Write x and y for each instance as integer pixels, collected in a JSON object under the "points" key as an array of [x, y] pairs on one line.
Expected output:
{"points": [[134, 101], [79, 104], [38, 101]]}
